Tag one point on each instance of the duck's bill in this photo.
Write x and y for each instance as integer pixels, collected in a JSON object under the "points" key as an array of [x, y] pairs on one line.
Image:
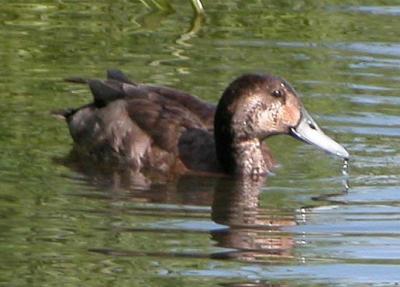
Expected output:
{"points": [[308, 131]]}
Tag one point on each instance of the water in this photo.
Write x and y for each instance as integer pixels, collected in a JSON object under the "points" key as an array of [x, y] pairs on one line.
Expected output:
{"points": [[70, 225]]}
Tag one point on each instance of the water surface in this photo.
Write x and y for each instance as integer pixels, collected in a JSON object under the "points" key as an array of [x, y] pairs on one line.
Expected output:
{"points": [[70, 225]]}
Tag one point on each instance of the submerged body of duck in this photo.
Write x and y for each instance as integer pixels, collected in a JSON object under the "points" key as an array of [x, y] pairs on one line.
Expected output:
{"points": [[158, 128]]}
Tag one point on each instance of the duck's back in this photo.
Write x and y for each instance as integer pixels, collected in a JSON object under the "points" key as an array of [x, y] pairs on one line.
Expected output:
{"points": [[144, 126]]}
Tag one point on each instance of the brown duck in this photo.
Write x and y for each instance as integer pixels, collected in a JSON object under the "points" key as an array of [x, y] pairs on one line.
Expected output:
{"points": [[149, 127]]}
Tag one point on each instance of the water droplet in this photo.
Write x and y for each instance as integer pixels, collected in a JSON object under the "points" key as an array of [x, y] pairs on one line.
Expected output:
{"points": [[345, 169], [345, 172]]}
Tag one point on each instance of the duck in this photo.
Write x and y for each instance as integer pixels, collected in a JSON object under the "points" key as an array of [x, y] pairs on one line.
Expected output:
{"points": [[151, 127]]}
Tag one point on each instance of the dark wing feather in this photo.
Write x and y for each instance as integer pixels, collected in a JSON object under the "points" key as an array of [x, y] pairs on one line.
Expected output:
{"points": [[163, 120], [205, 111]]}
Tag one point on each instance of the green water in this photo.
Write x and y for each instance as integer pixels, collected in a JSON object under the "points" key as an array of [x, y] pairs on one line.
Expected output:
{"points": [[69, 226]]}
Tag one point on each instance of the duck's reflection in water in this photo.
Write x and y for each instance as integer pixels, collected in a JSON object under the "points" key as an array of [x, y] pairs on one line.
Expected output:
{"points": [[254, 232], [250, 232]]}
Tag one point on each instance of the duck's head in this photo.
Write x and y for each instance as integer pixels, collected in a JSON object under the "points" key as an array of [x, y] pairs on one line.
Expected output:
{"points": [[254, 107]]}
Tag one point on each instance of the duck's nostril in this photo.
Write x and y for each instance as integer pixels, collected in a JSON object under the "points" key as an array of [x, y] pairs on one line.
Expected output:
{"points": [[312, 125]]}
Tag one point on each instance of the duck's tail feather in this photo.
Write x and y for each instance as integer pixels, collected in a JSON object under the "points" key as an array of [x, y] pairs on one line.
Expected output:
{"points": [[103, 91], [76, 80], [112, 74], [63, 114], [118, 75]]}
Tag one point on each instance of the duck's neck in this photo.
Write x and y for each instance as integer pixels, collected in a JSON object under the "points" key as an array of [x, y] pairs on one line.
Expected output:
{"points": [[249, 158], [237, 150], [239, 156]]}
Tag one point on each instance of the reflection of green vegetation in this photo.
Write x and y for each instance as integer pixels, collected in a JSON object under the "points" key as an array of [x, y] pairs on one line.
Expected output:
{"points": [[198, 6], [50, 217], [165, 5], [160, 4]]}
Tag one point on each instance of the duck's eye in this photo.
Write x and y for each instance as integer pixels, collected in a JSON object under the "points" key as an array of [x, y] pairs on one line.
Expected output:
{"points": [[277, 93]]}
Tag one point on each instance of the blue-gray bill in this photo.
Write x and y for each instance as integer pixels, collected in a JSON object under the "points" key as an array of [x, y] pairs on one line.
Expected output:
{"points": [[308, 131]]}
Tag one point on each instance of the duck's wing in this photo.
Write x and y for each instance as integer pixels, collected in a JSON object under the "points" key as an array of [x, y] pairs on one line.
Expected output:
{"points": [[141, 123], [175, 131], [118, 86], [205, 111], [163, 120]]}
